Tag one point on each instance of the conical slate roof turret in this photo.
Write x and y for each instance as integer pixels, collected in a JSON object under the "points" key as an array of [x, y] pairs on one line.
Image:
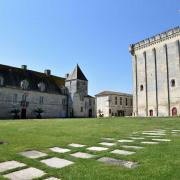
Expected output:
{"points": [[77, 74]]}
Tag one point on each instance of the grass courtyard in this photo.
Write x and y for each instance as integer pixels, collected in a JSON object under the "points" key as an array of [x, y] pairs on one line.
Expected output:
{"points": [[156, 162]]}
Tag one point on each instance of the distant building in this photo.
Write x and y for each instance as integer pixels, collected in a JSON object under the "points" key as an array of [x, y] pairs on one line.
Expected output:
{"points": [[110, 104], [156, 75], [27, 91]]}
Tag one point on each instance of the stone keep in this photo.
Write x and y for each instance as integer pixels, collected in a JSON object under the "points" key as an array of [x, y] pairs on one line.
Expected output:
{"points": [[156, 75]]}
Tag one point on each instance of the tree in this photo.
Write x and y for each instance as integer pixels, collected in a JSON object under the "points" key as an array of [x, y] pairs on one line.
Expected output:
{"points": [[39, 111], [100, 113], [15, 113]]}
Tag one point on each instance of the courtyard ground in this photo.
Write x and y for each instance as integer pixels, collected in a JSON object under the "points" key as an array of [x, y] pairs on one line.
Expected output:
{"points": [[155, 161]]}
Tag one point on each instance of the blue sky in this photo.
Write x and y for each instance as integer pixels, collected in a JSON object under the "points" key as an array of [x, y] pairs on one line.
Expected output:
{"points": [[57, 34]]}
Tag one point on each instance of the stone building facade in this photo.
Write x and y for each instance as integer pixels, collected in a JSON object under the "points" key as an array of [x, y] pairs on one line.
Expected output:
{"points": [[110, 104], [26, 91], [156, 75]]}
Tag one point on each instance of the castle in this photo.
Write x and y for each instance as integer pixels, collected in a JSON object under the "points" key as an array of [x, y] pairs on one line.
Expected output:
{"points": [[156, 75], [28, 93]]}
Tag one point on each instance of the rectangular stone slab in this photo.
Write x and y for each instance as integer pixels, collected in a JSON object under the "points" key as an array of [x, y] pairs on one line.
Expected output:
{"points": [[9, 165], [133, 147], [59, 150], [125, 140], [57, 162], [122, 152], [162, 140], [25, 174], [83, 155], [118, 162], [149, 142], [95, 148], [107, 144], [33, 154], [108, 139], [77, 145], [52, 178], [137, 138]]}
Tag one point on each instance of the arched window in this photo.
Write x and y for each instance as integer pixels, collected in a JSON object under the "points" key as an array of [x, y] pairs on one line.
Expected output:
{"points": [[173, 83], [42, 87], [24, 84], [141, 87], [1, 81]]}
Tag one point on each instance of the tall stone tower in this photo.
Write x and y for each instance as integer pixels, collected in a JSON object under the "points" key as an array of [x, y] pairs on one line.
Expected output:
{"points": [[77, 85], [156, 75]]}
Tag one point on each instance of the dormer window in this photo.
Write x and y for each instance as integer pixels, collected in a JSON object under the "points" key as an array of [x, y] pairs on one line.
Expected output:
{"points": [[1, 81], [42, 87], [141, 87], [24, 84], [173, 83]]}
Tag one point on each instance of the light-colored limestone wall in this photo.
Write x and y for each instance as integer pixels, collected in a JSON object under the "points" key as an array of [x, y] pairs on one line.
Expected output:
{"points": [[151, 82], [53, 103], [174, 73], [106, 103], [167, 66], [141, 81], [102, 103], [135, 110]]}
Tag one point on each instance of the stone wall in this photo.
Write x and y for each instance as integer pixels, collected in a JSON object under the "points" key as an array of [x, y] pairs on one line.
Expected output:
{"points": [[156, 62], [54, 105], [108, 103]]}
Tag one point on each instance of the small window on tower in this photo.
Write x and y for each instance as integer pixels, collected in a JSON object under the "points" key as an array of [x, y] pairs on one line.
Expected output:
{"points": [[141, 87], [173, 83]]}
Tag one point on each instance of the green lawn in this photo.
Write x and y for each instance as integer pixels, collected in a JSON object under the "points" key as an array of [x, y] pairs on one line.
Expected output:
{"points": [[157, 162]]}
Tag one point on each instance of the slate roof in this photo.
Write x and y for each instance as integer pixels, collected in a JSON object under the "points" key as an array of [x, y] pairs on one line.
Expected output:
{"points": [[107, 93], [77, 74], [13, 77]]}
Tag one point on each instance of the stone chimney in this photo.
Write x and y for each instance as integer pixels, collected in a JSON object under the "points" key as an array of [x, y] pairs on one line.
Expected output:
{"points": [[47, 72], [66, 76], [24, 67]]}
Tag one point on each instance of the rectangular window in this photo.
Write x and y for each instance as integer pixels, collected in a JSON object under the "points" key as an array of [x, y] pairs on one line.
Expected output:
{"points": [[115, 100], [64, 102], [41, 100], [90, 102], [120, 100], [109, 111], [131, 102], [81, 109], [126, 101], [15, 96]]}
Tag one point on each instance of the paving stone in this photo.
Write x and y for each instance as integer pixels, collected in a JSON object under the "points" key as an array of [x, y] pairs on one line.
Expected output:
{"points": [[108, 139], [52, 178], [154, 134], [57, 162], [149, 142], [162, 140], [9, 165], [95, 148], [33, 154], [25, 174], [118, 162], [176, 130], [133, 147], [59, 150], [107, 144], [122, 152], [83, 155], [137, 138], [125, 140], [77, 145]]}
